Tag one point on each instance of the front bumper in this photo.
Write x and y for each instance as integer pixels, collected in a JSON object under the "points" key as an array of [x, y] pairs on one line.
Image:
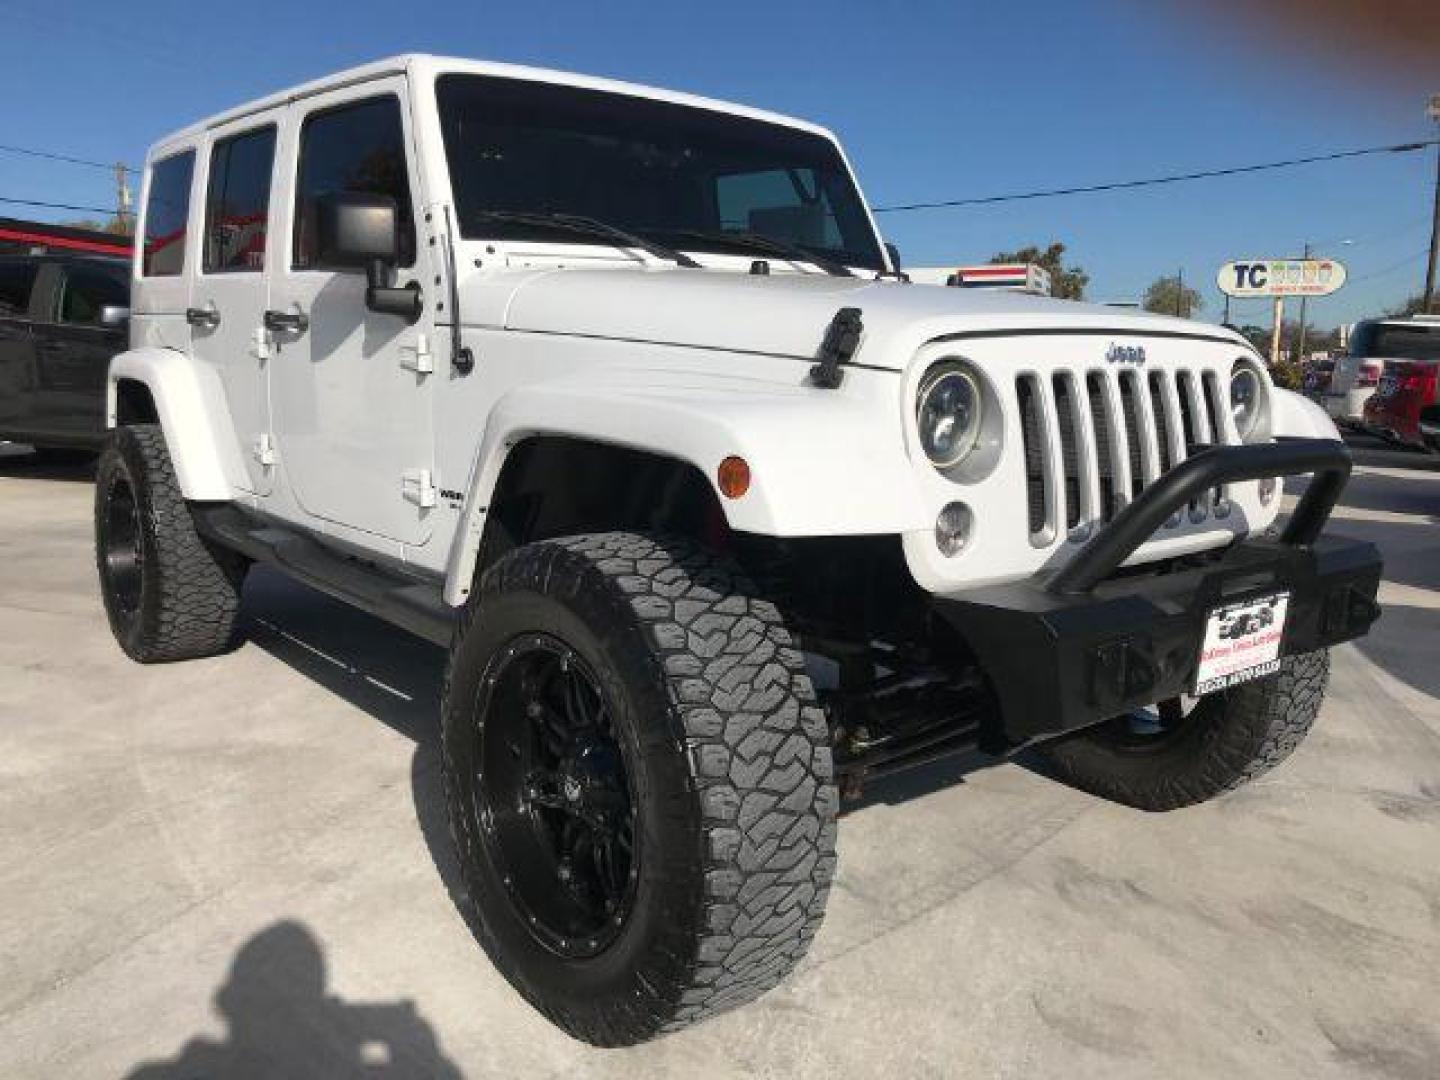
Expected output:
{"points": [[1082, 645]]}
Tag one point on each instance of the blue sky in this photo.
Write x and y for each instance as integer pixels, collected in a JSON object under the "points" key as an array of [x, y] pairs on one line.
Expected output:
{"points": [[933, 100]]}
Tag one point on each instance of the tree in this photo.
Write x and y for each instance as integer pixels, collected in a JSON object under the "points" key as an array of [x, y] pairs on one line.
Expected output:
{"points": [[1171, 296], [1066, 283], [1413, 306]]}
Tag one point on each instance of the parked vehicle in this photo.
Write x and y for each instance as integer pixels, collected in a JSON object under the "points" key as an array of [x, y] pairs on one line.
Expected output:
{"points": [[1430, 426], [1357, 374], [616, 394], [62, 317], [1408, 380], [1315, 382]]}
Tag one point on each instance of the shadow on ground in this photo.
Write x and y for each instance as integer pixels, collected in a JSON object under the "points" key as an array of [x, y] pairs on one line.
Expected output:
{"points": [[22, 463], [387, 673], [280, 1022]]}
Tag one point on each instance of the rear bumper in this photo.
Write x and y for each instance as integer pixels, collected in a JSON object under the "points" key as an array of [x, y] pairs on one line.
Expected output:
{"points": [[1068, 651]]}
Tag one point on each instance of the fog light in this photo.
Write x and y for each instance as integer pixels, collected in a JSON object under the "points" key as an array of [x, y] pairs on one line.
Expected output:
{"points": [[952, 528], [1267, 491]]}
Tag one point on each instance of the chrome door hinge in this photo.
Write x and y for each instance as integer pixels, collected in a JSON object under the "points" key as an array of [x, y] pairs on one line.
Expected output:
{"points": [[264, 450], [418, 487], [417, 357]]}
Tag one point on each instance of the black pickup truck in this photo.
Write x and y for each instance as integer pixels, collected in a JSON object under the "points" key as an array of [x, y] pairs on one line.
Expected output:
{"points": [[62, 317]]}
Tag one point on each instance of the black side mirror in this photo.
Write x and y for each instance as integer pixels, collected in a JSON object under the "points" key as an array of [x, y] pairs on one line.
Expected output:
{"points": [[357, 229], [114, 315]]}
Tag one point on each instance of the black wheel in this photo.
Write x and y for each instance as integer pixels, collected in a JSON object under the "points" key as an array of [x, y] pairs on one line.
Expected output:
{"points": [[639, 783], [169, 595], [1189, 750]]}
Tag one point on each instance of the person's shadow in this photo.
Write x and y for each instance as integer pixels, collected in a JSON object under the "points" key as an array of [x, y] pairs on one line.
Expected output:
{"points": [[282, 1023]]}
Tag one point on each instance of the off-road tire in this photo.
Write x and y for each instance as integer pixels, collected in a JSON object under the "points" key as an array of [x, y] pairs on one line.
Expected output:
{"points": [[729, 759], [189, 591], [1232, 737]]}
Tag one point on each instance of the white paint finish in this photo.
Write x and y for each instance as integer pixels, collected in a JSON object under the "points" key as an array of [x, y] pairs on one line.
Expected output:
{"points": [[350, 419], [232, 348], [191, 403], [595, 342], [1297, 416]]}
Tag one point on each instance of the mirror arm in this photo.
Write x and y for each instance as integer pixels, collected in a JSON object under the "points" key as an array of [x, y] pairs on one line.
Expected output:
{"points": [[405, 301]]}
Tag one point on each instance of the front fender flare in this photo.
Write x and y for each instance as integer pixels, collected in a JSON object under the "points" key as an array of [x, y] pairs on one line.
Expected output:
{"points": [[190, 403], [822, 464], [1296, 416]]}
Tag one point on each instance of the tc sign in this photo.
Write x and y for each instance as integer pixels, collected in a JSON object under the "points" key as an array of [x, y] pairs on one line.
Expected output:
{"points": [[1281, 277]]}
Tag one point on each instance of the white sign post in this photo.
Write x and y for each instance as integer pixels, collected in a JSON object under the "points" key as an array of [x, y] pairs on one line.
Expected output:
{"points": [[1250, 279]]}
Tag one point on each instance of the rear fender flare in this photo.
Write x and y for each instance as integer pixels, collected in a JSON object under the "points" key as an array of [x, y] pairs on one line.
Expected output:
{"points": [[190, 404]]}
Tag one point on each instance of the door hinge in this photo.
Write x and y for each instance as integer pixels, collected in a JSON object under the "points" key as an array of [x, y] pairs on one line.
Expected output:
{"points": [[264, 450], [417, 357], [260, 344], [418, 487]]}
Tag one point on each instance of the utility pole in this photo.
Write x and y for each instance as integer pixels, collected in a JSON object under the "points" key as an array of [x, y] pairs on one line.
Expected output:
{"points": [[1429, 297], [1179, 291], [122, 193], [1300, 347]]}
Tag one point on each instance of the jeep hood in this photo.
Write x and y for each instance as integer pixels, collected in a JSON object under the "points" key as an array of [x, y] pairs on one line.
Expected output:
{"points": [[786, 314]]}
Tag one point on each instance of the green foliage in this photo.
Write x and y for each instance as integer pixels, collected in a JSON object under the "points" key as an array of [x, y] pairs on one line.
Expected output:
{"points": [[1171, 296], [1287, 374], [1066, 283]]}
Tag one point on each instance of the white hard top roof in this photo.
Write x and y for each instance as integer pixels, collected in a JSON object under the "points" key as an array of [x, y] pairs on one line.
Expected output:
{"points": [[422, 66]]}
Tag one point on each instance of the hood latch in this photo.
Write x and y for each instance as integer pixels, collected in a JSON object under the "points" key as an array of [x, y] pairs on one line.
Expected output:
{"points": [[842, 338]]}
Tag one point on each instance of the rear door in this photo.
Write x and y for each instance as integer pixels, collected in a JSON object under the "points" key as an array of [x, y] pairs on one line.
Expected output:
{"points": [[231, 287], [74, 345], [17, 342]]}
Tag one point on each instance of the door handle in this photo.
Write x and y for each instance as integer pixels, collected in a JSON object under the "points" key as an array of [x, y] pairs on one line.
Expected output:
{"points": [[205, 317], [291, 322]]}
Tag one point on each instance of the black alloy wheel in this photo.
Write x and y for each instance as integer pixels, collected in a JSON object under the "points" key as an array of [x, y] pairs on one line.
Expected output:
{"points": [[555, 807]]}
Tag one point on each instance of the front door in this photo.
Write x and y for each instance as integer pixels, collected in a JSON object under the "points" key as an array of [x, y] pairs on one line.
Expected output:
{"points": [[17, 344], [74, 345], [349, 388], [231, 292]]}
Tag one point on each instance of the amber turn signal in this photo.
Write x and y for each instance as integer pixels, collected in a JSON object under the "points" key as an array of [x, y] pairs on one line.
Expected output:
{"points": [[733, 477]]}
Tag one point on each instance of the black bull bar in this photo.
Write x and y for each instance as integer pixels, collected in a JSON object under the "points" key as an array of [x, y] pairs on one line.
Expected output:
{"points": [[1068, 649]]}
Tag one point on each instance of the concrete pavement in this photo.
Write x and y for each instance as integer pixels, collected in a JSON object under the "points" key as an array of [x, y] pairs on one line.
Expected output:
{"points": [[212, 865]]}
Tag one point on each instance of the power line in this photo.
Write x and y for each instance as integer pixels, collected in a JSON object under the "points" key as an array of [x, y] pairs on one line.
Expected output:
{"points": [[1120, 185], [58, 205], [50, 156]]}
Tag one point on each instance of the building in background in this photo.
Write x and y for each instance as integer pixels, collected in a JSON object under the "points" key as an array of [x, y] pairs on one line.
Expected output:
{"points": [[1016, 277], [37, 237]]}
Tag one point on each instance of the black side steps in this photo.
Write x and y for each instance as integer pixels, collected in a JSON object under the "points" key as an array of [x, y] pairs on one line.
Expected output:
{"points": [[408, 603]]}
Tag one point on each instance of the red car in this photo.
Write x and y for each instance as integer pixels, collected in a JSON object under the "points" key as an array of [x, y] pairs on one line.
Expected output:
{"points": [[1408, 382]]}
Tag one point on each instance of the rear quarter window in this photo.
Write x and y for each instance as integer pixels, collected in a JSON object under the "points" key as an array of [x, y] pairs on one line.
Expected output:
{"points": [[167, 209]]}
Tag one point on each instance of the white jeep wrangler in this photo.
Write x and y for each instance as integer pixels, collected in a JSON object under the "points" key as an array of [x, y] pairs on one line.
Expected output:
{"points": [[617, 394]]}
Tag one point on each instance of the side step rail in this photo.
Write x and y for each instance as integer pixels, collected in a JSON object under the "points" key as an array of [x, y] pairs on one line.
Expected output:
{"points": [[410, 604]]}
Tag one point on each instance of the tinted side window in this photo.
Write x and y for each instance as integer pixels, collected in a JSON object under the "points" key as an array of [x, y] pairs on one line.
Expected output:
{"points": [[85, 290], [166, 211], [16, 279], [358, 147], [237, 202]]}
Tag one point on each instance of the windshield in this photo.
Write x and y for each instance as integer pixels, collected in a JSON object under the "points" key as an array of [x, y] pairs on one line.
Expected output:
{"points": [[670, 173], [1396, 341]]}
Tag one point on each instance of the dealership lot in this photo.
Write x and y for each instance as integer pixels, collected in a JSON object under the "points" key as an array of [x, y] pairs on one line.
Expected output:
{"points": [[244, 861]]}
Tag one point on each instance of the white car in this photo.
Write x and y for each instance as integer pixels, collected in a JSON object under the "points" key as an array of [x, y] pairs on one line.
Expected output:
{"points": [[616, 394], [1356, 375]]}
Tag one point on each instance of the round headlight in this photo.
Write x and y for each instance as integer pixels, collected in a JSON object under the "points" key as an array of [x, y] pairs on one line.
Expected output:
{"points": [[948, 414], [1245, 391]]}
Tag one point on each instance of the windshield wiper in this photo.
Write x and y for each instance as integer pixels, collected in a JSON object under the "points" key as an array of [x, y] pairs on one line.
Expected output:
{"points": [[577, 223], [761, 242]]}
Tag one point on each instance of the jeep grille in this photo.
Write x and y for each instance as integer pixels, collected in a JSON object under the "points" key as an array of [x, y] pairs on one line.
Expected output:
{"points": [[1093, 442]]}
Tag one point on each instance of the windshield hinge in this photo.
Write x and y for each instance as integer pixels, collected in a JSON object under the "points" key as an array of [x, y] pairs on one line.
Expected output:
{"points": [[842, 338]]}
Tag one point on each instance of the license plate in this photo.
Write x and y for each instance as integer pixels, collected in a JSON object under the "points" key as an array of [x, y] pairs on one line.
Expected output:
{"points": [[1242, 642], [1387, 385]]}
